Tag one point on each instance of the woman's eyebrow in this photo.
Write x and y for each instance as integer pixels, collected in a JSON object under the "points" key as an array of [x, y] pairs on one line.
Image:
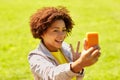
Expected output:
{"points": [[58, 28]]}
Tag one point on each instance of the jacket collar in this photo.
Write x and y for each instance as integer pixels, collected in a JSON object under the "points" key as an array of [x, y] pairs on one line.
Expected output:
{"points": [[65, 50], [42, 48]]}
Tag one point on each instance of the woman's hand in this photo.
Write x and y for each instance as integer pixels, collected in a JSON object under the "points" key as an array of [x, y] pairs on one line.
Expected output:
{"points": [[75, 54], [86, 58], [90, 56]]}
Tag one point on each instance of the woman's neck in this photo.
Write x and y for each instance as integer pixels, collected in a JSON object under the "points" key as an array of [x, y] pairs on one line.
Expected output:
{"points": [[50, 48]]}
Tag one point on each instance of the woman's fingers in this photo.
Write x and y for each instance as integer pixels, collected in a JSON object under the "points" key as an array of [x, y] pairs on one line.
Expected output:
{"points": [[92, 49], [89, 51], [95, 54], [76, 52], [85, 44], [72, 50], [78, 46]]}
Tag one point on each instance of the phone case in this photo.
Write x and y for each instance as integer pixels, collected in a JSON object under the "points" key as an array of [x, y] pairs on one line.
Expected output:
{"points": [[92, 39]]}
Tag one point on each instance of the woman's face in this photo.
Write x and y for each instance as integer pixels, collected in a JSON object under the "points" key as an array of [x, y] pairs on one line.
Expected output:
{"points": [[55, 35]]}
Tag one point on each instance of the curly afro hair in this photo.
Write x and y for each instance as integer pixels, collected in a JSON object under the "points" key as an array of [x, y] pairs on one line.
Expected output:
{"points": [[43, 18]]}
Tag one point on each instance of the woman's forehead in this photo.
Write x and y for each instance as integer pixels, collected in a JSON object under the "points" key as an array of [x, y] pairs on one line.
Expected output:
{"points": [[58, 24]]}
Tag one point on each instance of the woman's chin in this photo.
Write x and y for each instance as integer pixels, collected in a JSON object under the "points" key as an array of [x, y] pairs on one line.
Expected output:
{"points": [[58, 47]]}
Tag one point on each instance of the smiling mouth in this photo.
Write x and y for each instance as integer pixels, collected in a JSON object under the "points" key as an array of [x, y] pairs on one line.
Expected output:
{"points": [[59, 41]]}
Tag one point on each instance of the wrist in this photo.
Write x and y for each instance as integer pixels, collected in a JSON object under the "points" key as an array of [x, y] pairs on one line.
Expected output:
{"points": [[76, 69], [81, 72]]}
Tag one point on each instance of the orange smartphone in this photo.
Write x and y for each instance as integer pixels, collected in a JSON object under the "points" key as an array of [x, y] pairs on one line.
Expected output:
{"points": [[92, 39]]}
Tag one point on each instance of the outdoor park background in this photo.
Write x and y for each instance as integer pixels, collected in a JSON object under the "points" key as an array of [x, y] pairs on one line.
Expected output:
{"points": [[102, 16]]}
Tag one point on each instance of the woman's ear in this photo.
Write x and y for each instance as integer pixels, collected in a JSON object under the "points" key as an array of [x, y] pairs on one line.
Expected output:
{"points": [[41, 36]]}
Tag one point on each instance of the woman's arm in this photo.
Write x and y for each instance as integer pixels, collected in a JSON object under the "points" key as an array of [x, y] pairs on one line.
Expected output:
{"points": [[47, 70]]}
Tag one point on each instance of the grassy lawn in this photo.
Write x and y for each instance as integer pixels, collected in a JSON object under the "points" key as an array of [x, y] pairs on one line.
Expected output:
{"points": [[16, 41]]}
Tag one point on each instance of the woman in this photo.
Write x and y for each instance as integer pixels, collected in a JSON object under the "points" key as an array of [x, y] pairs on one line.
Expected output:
{"points": [[54, 59]]}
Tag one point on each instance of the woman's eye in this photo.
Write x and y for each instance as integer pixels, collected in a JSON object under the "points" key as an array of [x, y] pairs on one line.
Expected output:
{"points": [[55, 30], [64, 30]]}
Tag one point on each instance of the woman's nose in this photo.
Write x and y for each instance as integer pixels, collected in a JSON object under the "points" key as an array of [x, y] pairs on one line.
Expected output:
{"points": [[62, 34]]}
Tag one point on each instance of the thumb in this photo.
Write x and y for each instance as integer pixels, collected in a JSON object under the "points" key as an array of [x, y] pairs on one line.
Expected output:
{"points": [[85, 44]]}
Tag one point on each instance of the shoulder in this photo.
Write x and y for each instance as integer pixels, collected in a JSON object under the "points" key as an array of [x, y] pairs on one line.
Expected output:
{"points": [[67, 50], [35, 53], [66, 46]]}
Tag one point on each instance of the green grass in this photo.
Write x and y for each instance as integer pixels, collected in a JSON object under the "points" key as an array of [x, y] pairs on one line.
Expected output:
{"points": [[16, 41]]}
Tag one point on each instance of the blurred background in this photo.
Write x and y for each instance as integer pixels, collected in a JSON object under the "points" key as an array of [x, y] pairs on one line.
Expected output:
{"points": [[16, 41]]}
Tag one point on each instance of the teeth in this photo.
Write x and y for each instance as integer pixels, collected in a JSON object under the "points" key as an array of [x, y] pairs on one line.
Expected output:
{"points": [[59, 40]]}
